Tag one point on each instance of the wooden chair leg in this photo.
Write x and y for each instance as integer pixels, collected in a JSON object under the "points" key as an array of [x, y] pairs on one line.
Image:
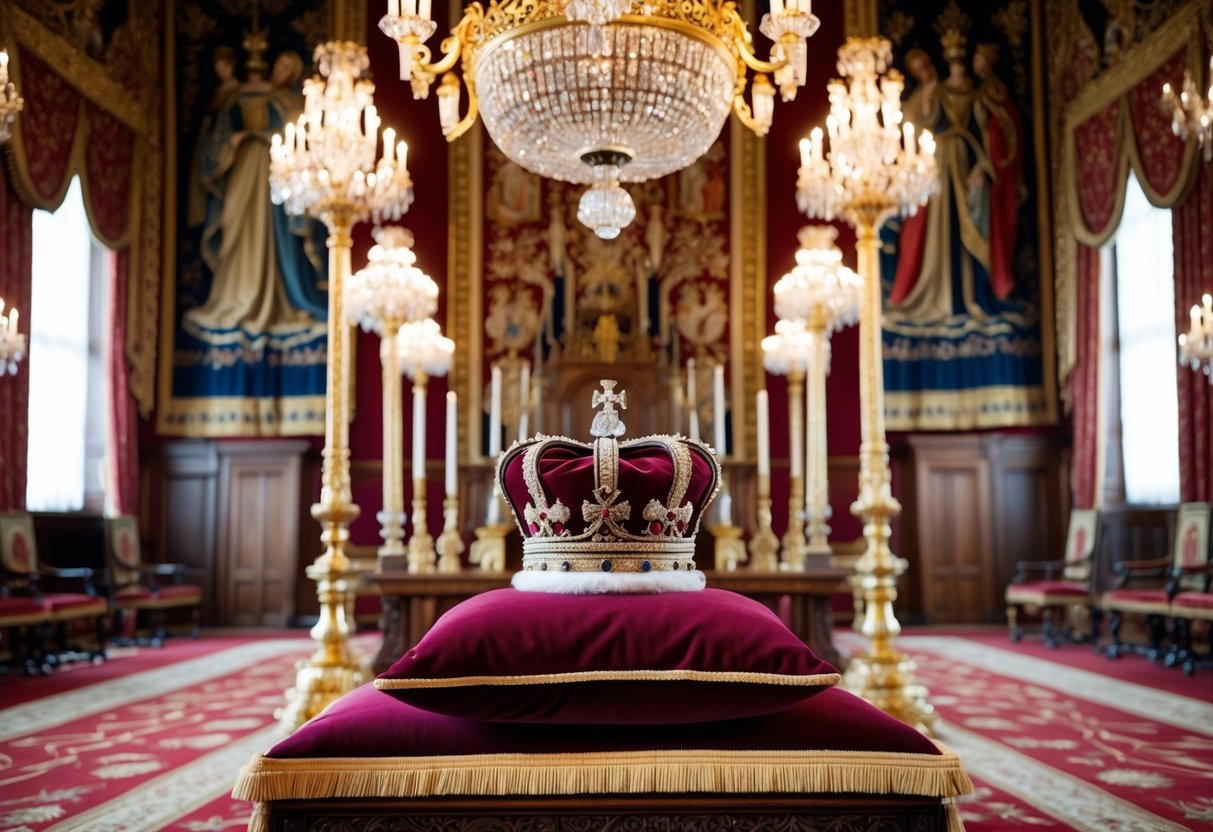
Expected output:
{"points": [[1048, 629], [1014, 631], [1155, 626], [1117, 646]]}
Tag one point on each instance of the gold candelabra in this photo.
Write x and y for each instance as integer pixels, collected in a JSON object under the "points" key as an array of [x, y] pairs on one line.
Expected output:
{"points": [[389, 293], [325, 166], [875, 169], [11, 102], [1191, 113]]}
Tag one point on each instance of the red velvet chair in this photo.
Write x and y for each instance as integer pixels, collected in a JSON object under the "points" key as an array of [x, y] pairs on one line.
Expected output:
{"points": [[1142, 587], [135, 587], [1191, 601], [43, 625], [1058, 586]]}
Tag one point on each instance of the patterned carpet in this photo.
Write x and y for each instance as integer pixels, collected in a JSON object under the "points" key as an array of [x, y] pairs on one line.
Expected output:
{"points": [[1056, 739]]}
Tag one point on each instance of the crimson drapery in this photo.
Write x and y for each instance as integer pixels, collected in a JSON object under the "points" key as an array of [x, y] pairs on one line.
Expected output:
{"points": [[1084, 380], [122, 462], [58, 134], [1192, 224], [16, 232]]}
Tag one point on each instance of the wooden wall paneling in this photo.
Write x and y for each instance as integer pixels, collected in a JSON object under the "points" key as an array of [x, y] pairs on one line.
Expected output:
{"points": [[953, 514], [1030, 505], [182, 517], [259, 546]]}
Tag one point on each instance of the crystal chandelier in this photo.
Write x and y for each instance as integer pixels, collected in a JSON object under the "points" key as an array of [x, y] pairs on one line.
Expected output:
{"points": [[12, 342], [603, 92], [787, 351], [424, 349], [1196, 345], [819, 287], [1191, 113], [875, 163], [325, 162], [10, 102], [390, 290]]}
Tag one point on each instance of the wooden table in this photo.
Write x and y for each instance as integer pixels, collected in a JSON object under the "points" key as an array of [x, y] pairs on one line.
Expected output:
{"points": [[411, 603]]}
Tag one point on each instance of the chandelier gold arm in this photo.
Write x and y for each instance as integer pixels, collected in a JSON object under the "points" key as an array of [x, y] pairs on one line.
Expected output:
{"points": [[473, 112], [756, 63], [746, 116]]}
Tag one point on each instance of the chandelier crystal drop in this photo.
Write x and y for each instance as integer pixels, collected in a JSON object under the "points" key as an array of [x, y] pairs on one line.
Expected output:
{"points": [[327, 159], [561, 83], [876, 163], [606, 207], [390, 289], [1191, 113], [422, 348], [819, 287], [10, 102]]}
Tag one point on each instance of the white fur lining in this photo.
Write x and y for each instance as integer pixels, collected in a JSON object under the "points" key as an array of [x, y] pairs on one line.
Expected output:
{"points": [[608, 583]]}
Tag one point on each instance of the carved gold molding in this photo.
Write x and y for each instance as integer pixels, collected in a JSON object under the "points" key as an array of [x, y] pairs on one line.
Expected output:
{"points": [[78, 69]]}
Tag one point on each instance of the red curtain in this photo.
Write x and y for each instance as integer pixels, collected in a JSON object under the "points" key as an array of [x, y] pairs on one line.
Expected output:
{"points": [[47, 130], [1097, 169], [1084, 379], [109, 156], [1192, 223], [122, 487], [16, 232]]}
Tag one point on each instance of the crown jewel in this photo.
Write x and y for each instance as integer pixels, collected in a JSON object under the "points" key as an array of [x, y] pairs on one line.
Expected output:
{"points": [[609, 506]]}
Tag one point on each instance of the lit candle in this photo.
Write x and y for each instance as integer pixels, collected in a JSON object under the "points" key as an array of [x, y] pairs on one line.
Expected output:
{"points": [[452, 464], [393, 8], [692, 401], [12, 319], [524, 401], [402, 154], [764, 434], [3, 67], [806, 152], [389, 142], [777, 7], [423, 9], [718, 410], [418, 433], [1195, 319]]}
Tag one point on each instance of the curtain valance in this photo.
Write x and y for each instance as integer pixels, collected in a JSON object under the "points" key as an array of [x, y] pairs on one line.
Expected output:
{"points": [[1118, 123]]}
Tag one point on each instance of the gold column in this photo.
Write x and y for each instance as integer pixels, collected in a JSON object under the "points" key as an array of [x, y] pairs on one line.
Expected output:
{"points": [[421, 543], [391, 519], [332, 669], [881, 675], [793, 539]]}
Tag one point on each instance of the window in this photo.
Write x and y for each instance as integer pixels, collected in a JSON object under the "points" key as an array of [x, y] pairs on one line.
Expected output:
{"points": [[1145, 319], [68, 387]]}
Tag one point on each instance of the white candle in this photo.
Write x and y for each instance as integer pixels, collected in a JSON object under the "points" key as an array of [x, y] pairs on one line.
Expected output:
{"points": [[692, 401], [806, 153], [393, 8], [524, 401], [494, 513], [452, 463], [1195, 318], [495, 414], [796, 449], [418, 433], [423, 9], [764, 434], [718, 410]]}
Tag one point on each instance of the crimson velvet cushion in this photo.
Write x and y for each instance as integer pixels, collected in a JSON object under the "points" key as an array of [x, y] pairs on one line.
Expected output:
{"points": [[510, 656]]}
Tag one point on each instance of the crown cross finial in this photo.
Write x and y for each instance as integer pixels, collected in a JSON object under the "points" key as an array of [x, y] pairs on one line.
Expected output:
{"points": [[607, 422]]}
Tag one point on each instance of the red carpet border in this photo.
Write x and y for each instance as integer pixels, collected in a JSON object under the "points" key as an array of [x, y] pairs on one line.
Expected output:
{"points": [[1051, 745], [1051, 740]]}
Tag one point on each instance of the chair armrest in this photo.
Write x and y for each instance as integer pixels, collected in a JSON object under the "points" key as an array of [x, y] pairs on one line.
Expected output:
{"points": [[1048, 567], [151, 571], [84, 574], [1131, 570], [1180, 572]]}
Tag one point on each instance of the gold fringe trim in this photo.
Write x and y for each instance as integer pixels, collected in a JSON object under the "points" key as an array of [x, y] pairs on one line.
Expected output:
{"points": [[622, 772], [824, 679], [951, 811]]}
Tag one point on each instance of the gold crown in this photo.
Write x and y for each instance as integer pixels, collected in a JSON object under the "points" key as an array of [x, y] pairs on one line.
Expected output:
{"points": [[675, 477], [953, 41]]}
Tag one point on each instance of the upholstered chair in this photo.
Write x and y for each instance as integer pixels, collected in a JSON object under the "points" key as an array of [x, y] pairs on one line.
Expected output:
{"points": [[42, 621], [1141, 586], [137, 588], [1057, 587]]}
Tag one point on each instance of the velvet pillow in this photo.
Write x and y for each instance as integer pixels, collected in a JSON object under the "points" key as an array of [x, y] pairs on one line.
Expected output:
{"points": [[510, 656]]}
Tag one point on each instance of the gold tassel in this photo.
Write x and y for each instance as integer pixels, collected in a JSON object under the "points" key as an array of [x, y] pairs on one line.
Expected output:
{"points": [[726, 772], [955, 821], [260, 819]]}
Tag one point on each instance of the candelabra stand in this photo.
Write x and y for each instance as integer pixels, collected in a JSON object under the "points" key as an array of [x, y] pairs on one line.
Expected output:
{"points": [[326, 167], [874, 170], [764, 545], [421, 544], [450, 543], [391, 517], [793, 539]]}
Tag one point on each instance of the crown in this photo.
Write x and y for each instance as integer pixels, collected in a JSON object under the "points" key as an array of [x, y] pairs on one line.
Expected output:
{"points": [[609, 508], [953, 41]]}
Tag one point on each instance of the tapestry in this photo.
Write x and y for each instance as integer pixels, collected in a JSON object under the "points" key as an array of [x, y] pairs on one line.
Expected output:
{"points": [[965, 297], [247, 301]]}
